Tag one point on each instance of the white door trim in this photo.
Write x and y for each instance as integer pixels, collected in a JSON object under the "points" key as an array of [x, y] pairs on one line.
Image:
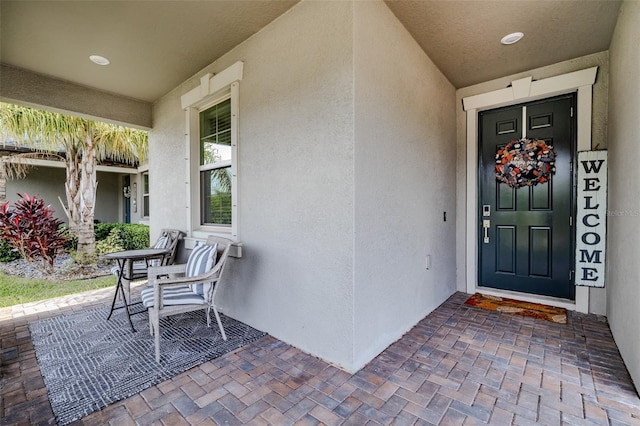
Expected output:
{"points": [[520, 91]]}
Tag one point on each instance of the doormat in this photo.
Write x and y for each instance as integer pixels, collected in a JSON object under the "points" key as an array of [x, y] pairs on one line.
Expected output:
{"points": [[517, 307], [88, 362]]}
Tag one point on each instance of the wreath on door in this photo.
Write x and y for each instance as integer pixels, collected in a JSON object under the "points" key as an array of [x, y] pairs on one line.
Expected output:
{"points": [[525, 162]]}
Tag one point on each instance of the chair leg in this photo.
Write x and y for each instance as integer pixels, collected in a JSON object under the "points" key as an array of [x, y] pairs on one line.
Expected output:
{"points": [[212, 305], [157, 342], [215, 312], [154, 326], [150, 311]]}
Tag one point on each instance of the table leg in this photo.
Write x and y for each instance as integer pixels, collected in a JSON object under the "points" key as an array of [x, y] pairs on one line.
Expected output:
{"points": [[126, 284], [119, 287]]}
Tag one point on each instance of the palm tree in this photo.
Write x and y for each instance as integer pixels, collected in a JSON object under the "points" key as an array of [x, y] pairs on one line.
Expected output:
{"points": [[84, 142]]}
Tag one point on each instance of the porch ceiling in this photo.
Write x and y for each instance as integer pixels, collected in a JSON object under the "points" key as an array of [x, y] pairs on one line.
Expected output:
{"points": [[463, 37], [155, 45]]}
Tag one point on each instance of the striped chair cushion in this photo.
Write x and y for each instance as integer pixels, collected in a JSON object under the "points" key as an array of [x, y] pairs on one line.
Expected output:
{"points": [[139, 268], [201, 259], [162, 242], [172, 296], [115, 270]]}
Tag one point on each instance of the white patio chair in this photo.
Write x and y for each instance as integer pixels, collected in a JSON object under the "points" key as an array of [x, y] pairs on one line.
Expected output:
{"points": [[176, 289]]}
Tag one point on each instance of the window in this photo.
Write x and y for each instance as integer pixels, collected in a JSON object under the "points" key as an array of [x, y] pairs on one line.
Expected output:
{"points": [[145, 194], [212, 146], [215, 164]]}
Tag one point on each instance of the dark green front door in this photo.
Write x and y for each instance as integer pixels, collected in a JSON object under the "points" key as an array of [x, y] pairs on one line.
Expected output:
{"points": [[527, 245]]}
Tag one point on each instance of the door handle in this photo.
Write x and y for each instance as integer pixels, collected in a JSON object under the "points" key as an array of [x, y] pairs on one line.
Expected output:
{"points": [[486, 224]]}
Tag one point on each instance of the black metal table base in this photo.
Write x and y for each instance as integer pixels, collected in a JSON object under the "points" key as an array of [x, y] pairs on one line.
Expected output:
{"points": [[122, 257], [120, 288]]}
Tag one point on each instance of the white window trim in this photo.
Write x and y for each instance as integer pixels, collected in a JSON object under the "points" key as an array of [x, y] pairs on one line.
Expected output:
{"points": [[522, 90], [212, 89]]}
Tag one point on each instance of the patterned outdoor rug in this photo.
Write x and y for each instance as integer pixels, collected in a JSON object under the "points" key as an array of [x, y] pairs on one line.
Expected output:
{"points": [[511, 306], [88, 362]]}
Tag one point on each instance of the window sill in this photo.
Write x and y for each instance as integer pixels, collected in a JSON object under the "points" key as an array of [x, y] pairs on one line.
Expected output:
{"points": [[200, 235], [203, 233]]}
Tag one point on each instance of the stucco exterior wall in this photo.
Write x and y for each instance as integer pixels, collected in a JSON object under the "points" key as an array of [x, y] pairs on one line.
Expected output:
{"points": [[333, 260], [48, 184], [597, 299], [107, 197], [295, 179], [404, 182], [623, 238]]}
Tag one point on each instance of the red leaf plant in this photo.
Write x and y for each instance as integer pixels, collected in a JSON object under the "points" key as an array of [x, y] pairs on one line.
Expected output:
{"points": [[30, 228]]}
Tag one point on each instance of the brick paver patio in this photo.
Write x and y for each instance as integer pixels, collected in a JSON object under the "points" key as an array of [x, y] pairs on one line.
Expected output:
{"points": [[459, 365]]}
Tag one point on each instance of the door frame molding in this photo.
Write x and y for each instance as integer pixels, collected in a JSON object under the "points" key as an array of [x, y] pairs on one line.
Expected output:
{"points": [[521, 91]]}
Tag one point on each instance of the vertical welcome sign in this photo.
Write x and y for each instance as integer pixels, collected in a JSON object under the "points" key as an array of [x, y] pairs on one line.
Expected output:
{"points": [[591, 219]]}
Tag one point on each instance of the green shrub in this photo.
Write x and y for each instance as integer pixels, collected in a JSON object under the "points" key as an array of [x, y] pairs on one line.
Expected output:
{"points": [[131, 236], [102, 230], [111, 244], [7, 253], [134, 235]]}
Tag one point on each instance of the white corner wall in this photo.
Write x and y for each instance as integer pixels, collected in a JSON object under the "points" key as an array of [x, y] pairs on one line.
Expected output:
{"points": [[295, 176], [346, 167], [623, 236], [405, 180]]}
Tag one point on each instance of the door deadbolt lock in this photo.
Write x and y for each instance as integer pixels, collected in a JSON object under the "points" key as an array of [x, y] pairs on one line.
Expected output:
{"points": [[486, 210], [486, 224]]}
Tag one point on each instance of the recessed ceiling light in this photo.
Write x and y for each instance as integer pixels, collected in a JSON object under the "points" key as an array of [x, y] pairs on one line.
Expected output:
{"points": [[100, 60], [512, 38]]}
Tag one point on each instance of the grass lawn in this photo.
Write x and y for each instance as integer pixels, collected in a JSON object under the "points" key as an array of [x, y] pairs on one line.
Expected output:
{"points": [[17, 290]]}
